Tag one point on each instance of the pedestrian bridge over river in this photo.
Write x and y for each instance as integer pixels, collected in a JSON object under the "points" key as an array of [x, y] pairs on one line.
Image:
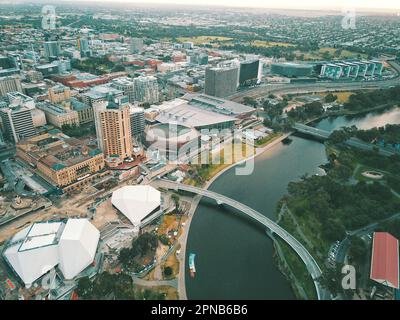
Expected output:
{"points": [[308, 260], [352, 142]]}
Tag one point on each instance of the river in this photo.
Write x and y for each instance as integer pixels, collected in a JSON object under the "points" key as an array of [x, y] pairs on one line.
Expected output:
{"points": [[233, 254]]}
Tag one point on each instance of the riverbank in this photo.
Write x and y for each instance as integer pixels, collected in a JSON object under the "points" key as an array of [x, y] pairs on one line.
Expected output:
{"points": [[344, 113], [195, 202]]}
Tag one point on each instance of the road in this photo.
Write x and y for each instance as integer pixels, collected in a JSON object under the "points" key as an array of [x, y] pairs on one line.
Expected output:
{"points": [[154, 283], [345, 244], [308, 260]]}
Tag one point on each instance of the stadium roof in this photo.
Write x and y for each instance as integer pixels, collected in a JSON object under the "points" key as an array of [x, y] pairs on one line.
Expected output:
{"points": [[218, 105], [385, 259], [136, 202], [192, 116]]}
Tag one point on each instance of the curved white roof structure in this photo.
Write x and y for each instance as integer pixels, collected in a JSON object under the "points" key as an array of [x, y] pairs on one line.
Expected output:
{"points": [[137, 202], [35, 250], [77, 247]]}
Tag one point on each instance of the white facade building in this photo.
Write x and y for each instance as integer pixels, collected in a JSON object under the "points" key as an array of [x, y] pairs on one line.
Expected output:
{"points": [[37, 249], [138, 203], [77, 247]]}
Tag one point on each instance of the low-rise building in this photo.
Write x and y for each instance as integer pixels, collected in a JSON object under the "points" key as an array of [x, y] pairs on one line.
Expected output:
{"points": [[60, 159], [59, 115], [69, 245]]}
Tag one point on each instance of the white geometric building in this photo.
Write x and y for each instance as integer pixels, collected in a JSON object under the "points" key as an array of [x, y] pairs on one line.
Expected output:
{"points": [[35, 250], [140, 204], [77, 247]]}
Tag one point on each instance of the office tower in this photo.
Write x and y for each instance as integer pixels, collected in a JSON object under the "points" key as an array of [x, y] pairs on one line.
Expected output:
{"points": [[249, 73], [113, 129], [137, 121], [83, 47], [10, 84], [221, 81], [59, 93], [6, 63], [17, 123], [2, 142], [136, 45], [63, 65], [126, 85], [16, 60], [146, 89], [52, 49]]}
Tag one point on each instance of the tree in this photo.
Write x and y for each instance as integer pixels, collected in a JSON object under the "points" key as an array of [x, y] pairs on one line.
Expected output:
{"points": [[331, 279], [358, 250], [338, 136], [118, 68], [125, 256], [175, 199], [334, 230], [250, 101], [167, 272], [85, 288], [330, 98]]}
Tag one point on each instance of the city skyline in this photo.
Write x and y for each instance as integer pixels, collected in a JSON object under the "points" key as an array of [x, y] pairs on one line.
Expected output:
{"points": [[391, 5], [118, 119]]}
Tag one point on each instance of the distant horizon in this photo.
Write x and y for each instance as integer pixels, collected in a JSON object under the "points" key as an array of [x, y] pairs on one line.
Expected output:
{"points": [[315, 5]]}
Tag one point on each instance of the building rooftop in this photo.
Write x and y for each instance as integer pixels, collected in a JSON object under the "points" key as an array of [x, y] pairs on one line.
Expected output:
{"points": [[217, 105], [57, 150], [385, 259], [42, 234], [38, 248], [191, 116], [136, 202]]}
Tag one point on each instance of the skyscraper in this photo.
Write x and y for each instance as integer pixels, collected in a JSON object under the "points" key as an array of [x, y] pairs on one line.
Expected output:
{"points": [[113, 129], [221, 81], [52, 49], [146, 89], [136, 45], [10, 84], [83, 47], [17, 123], [137, 121], [250, 72]]}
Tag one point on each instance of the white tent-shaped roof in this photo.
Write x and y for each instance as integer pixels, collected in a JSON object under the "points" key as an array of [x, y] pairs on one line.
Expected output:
{"points": [[32, 252], [77, 247], [136, 202], [35, 250]]}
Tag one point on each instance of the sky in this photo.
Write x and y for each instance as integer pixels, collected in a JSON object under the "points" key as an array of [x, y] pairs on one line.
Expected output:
{"points": [[295, 4]]}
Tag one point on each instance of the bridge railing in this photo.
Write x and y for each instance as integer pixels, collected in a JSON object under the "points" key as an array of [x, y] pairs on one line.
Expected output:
{"points": [[311, 265]]}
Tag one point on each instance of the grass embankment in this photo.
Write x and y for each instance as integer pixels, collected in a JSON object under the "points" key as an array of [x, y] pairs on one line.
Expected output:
{"points": [[296, 271], [264, 141], [218, 160]]}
